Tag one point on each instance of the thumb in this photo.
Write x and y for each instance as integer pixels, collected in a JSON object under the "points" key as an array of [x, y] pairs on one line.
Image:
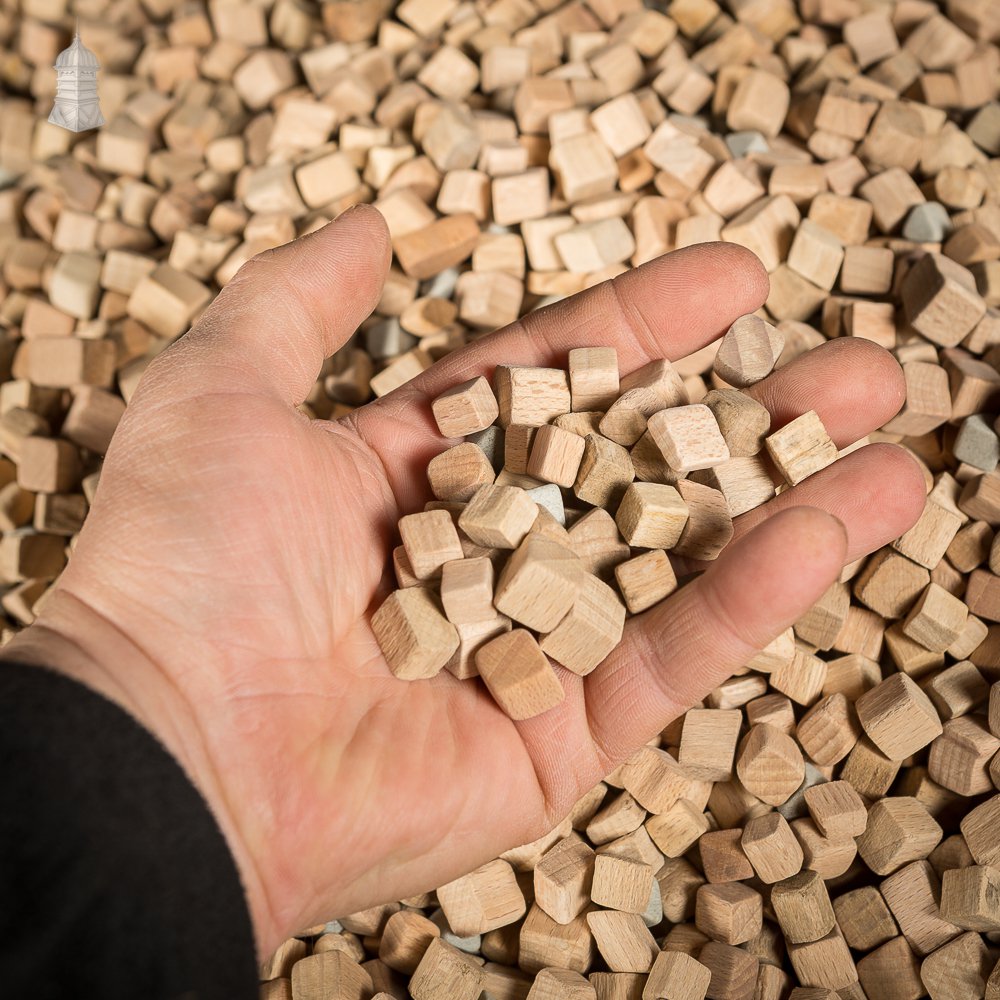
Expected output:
{"points": [[286, 310]]}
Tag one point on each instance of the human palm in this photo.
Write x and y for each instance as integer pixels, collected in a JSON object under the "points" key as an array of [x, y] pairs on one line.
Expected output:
{"points": [[223, 585]]}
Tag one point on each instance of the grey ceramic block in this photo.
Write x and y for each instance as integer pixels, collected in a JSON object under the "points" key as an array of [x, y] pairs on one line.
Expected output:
{"points": [[743, 143], [549, 496], [977, 444], [927, 223], [490, 441]]}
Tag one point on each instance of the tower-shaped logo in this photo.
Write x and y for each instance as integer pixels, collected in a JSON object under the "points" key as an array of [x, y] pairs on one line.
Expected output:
{"points": [[77, 107]]}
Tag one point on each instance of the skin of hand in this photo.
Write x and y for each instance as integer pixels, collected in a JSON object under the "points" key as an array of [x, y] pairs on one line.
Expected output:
{"points": [[222, 587]]}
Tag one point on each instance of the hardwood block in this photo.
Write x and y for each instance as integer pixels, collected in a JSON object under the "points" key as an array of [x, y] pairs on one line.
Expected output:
{"points": [[415, 638], [970, 898], [836, 809], [941, 300], [979, 829], [597, 543], [67, 362], [438, 246], [889, 584], [722, 856], [467, 590], [730, 912], [604, 473], [892, 971], [743, 422], [744, 482], [928, 402], [960, 757], [994, 709], [589, 631], [676, 829], [167, 301], [459, 473], [406, 936], [92, 418], [517, 197], [772, 710], [709, 527], [689, 437], [530, 396], [898, 717], [518, 439], [821, 625], [869, 771], [899, 830], [48, 465], [466, 408], [770, 764], [483, 900], [330, 973], [593, 246], [651, 515], [540, 583], [623, 940], [928, 540], [563, 880], [801, 679], [621, 884], [733, 971], [759, 102], [912, 894], [772, 848], [801, 448], [645, 580], [864, 918], [816, 254], [708, 743], [30, 555], [446, 971], [430, 540], [593, 377], [560, 984], [958, 969], [676, 976], [498, 517], [957, 690], [584, 166], [555, 456], [802, 907], [826, 963]]}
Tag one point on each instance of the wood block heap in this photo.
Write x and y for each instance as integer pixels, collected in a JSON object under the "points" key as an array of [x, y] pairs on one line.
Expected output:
{"points": [[843, 787], [537, 550]]}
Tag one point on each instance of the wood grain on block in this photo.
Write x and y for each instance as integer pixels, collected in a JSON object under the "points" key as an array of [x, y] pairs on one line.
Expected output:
{"points": [[961, 757], [604, 473], [472, 635], [560, 984], [836, 809], [467, 590], [743, 422], [912, 895], [802, 907], [748, 352], [621, 883], [563, 879], [645, 580], [483, 900], [769, 764], [678, 828], [941, 300], [730, 912], [48, 465], [498, 517], [66, 362], [899, 830], [677, 976], [708, 743], [829, 730], [746, 483], [466, 408], [405, 937], [623, 940], [889, 584], [415, 638], [459, 473], [689, 437], [771, 847], [518, 439], [519, 675], [651, 515], [596, 541], [555, 456], [430, 540], [936, 620], [438, 246], [826, 962], [330, 973], [591, 629], [733, 971], [709, 527], [898, 717], [801, 448], [892, 971], [446, 971], [531, 396], [540, 583], [593, 377], [722, 856]]}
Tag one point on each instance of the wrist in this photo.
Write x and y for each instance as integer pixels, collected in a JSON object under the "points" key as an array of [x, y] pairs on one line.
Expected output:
{"points": [[73, 639]]}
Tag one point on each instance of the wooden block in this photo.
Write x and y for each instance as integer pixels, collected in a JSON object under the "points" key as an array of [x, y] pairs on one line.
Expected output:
{"points": [[540, 583], [722, 856], [518, 439], [960, 757], [645, 580], [801, 679], [869, 771], [593, 246], [446, 971], [584, 166], [821, 625], [589, 631], [466, 408], [605, 471], [92, 418], [60, 513], [593, 377], [941, 300], [676, 976], [958, 969], [892, 971], [66, 362], [30, 555], [836, 809], [498, 517], [709, 527], [438, 246], [771, 847], [651, 515], [406, 936], [825, 963], [676, 829], [518, 675], [556, 455], [733, 971], [899, 830], [772, 710], [994, 709], [48, 465], [729, 912], [928, 540], [770, 764], [829, 730], [330, 973], [743, 422], [864, 918], [167, 301], [802, 907], [928, 402], [560, 984], [621, 884], [970, 898], [623, 940], [530, 396], [957, 690], [467, 590], [708, 743], [744, 482], [415, 638], [483, 900], [912, 895], [890, 584], [979, 829], [759, 102], [689, 437], [430, 540], [563, 880], [816, 254], [518, 197], [898, 717], [801, 448], [459, 473]]}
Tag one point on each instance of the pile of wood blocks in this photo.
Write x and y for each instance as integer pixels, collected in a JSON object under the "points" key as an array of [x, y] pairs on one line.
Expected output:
{"points": [[827, 823]]}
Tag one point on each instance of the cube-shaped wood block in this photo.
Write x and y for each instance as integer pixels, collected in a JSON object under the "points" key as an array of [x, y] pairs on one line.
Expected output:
{"points": [[898, 717], [466, 408], [708, 743], [532, 396], [330, 973], [651, 515], [498, 517], [801, 447], [730, 912], [540, 583], [430, 540], [444, 971], [483, 900], [621, 883], [593, 377], [645, 580], [678, 976], [563, 878], [415, 638], [689, 437], [940, 300], [590, 631], [709, 527], [459, 473], [771, 847], [467, 590], [936, 620], [749, 351], [605, 472], [519, 675], [899, 830], [555, 455]]}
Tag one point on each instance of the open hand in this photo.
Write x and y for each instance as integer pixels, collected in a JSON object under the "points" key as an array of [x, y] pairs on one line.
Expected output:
{"points": [[223, 584]]}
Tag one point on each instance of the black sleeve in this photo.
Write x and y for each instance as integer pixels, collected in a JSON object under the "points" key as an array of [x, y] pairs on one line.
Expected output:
{"points": [[115, 881]]}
